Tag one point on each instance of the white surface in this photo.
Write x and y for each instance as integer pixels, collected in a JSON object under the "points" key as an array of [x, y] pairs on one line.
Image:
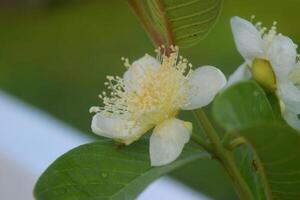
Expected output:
{"points": [[31, 140]]}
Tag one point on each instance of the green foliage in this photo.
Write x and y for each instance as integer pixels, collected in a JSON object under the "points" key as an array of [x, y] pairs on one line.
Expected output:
{"points": [[274, 169], [102, 171], [242, 105], [69, 50], [184, 22], [278, 159], [250, 173], [274, 101], [202, 175]]}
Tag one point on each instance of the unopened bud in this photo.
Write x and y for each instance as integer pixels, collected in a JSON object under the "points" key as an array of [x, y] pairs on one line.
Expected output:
{"points": [[263, 73]]}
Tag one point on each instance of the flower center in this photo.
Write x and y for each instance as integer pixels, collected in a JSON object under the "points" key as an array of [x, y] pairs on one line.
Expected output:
{"points": [[162, 91], [267, 35], [263, 73], [159, 93], [159, 96], [261, 68]]}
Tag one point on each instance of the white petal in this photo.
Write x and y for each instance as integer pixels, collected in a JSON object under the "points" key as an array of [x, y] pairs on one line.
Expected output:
{"points": [[292, 119], [247, 38], [136, 71], [240, 74], [294, 75], [168, 140], [205, 84], [290, 95], [117, 128], [282, 55]]}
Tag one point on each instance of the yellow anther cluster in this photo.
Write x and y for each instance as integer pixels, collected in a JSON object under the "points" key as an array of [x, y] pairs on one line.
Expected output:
{"points": [[159, 94]]}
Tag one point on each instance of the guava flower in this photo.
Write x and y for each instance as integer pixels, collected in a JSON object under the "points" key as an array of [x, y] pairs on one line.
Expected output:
{"points": [[271, 59], [150, 95]]}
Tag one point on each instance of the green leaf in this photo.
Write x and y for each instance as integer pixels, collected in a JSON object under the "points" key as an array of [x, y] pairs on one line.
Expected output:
{"points": [[242, 105], [274, 101], [250, 173], [277, 149], [102, 171], [184, 22]]}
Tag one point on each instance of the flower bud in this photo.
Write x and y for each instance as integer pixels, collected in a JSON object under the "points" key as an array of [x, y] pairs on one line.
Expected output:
{"points": [[263, 73]]}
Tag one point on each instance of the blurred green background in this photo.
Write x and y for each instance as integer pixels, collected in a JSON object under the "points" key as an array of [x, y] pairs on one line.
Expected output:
{"points": [[56, 55]]}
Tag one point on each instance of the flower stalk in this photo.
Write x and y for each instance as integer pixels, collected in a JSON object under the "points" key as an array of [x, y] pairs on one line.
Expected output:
{"points": [[224, 156], [197, 139], [236, 143], [215, 147], [145, 20]]}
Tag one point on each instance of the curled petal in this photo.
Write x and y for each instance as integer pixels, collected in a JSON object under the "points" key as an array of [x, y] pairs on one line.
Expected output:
{"points": [[290, 95], [247, 38], [240, 74], [168, 140], [294, 75], [137, 71], [205, 83], [282, 55], [119, 129]]}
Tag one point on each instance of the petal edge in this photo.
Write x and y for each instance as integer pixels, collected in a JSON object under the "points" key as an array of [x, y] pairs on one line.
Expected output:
{"points": [[168, 140], [205, 83], [247, 38], [119, 129], [240, 74]]}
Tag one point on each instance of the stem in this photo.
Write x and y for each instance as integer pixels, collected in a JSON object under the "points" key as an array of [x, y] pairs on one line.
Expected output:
{"points": [[166, 23], [236, 143], [237, 180], [225, 157], [208, 128], [201, 142], [144, 18]]}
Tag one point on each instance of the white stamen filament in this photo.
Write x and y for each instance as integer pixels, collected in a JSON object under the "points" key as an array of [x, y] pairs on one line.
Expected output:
{"points": [[159, 95]]}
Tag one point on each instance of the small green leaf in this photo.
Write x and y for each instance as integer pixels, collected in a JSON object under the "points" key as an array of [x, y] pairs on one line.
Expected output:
{"points": [[250, 173], [274, 101], [102, 171], [242, 105], [277, 150], [184, 22]]}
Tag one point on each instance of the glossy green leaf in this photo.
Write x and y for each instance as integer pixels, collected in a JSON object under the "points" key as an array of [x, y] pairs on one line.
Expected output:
{"points": [[102, 171], [242, 105], [185, 22], [250, 173], [277, 149], [274, 101]]}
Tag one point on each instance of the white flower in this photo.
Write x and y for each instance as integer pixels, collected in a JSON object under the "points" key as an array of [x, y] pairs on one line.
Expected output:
{"points": [[270, 58], [150, 94]]}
